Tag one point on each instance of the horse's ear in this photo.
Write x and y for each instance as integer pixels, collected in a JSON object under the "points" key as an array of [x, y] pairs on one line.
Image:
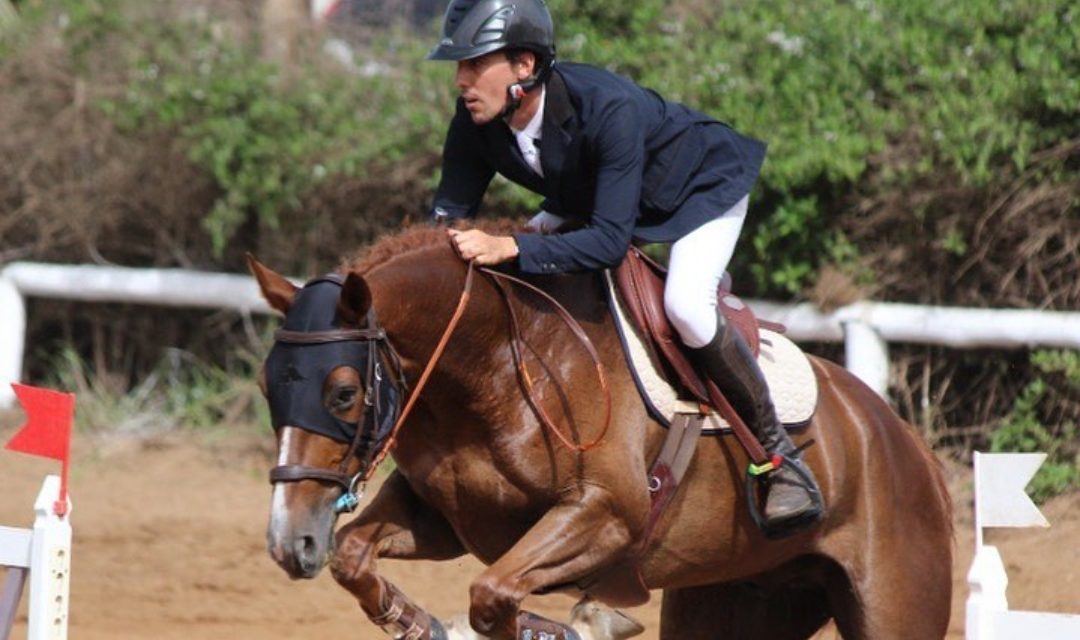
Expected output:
{"points": [[355, 299], [276, 289]]}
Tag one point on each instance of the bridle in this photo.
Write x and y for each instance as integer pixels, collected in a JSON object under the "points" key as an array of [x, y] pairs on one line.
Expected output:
{"points": [[379, 350], [378, 344]]}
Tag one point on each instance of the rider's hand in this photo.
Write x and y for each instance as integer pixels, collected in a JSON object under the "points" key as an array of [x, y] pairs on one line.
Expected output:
{"points": [[485, 249]]}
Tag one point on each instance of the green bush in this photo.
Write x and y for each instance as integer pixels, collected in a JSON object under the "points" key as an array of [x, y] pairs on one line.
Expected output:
{"points": [[971, 90], [269, 137], [852, 98], [1036, 423]]}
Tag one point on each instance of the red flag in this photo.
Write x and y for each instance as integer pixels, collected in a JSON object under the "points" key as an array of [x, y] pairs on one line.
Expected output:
{"points": [[47, 431]]}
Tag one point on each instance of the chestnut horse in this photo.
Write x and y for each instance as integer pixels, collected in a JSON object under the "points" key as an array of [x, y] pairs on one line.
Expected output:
{"points": [[477, 472]]}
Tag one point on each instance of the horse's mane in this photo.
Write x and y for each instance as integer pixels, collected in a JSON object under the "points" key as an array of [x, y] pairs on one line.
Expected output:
{"points": [[414, 238]]}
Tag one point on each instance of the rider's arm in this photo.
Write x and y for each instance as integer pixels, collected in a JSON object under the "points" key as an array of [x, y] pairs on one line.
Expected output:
{"points": [[465, 171], [620, 155]]}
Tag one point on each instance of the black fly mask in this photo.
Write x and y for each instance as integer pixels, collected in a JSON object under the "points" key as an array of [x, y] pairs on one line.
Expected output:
{"points": [[310, 345]]}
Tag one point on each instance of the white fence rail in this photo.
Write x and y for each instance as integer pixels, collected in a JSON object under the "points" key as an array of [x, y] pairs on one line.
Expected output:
{"points": [[44, 552], [91, 283], [866, 328]]}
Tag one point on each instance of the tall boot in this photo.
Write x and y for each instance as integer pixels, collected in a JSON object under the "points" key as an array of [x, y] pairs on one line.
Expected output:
{"points": [[791, 501]]}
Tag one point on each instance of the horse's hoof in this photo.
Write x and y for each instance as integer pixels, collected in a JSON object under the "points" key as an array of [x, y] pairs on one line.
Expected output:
{"points": [[595, 621], [533, 627]]}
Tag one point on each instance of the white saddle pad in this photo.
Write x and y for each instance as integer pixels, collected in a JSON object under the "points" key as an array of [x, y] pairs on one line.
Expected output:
{"points": [[787, 370]]}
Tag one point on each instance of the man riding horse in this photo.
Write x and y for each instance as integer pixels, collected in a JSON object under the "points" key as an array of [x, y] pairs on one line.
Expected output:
{"points": [[615, 163]]}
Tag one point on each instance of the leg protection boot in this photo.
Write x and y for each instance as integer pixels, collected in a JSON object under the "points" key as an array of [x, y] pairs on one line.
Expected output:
{"points": [[791, 501]]}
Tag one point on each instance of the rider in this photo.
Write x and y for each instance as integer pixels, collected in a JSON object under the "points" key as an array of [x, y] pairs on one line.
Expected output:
{"points": [[615, 162]]}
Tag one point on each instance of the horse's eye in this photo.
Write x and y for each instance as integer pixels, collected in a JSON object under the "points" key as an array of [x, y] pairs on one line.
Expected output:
{"points": [[343, 398]]}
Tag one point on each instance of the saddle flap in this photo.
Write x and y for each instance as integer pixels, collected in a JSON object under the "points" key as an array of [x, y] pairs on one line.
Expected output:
{"points": [[642, 291], [640, 283]]}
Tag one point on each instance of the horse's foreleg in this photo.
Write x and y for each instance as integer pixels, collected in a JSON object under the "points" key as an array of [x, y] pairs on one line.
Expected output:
{"points": [[574, 539], [397, 524]]}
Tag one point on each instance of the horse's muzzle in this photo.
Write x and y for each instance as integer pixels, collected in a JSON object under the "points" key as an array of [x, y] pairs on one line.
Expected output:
{"points": [[302, 556], [299, 537]]}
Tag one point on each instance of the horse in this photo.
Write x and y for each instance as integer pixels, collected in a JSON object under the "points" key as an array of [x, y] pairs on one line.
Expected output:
{"points": [[477, 471]]}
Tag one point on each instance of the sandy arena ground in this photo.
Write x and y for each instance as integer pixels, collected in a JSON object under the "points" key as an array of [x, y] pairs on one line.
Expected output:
{"points": [[169, 545]]}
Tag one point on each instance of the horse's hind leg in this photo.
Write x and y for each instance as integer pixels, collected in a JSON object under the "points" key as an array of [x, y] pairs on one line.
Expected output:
{"points": [[894, 603], [896, 583], [742, 611]]}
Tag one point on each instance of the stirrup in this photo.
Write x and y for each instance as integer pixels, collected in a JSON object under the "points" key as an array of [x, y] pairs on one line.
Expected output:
{"points": [[759, 473]]}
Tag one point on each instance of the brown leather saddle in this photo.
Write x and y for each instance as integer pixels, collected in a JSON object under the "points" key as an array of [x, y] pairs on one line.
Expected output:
{"points": [[640, 283]]}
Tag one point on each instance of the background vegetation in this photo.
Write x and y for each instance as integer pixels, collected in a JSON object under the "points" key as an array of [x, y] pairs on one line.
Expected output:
{"points": [[918, 152]]}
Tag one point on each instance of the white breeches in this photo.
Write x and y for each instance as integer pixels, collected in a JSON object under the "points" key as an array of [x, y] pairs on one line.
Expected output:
{"points": [[696, 265]]}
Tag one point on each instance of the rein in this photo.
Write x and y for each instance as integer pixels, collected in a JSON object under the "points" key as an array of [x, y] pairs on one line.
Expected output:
{"points": [[422, 382], [523, 371], [354, 485]]}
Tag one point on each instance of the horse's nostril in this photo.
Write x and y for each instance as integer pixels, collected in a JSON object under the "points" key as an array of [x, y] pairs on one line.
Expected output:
{"points": [[306, 553]]}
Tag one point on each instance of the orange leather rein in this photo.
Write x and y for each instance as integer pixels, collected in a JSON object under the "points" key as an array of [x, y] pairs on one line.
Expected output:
{"points": [[500, 279]]}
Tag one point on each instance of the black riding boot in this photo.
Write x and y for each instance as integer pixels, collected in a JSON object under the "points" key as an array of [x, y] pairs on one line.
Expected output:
{"points": [[729, 362]]}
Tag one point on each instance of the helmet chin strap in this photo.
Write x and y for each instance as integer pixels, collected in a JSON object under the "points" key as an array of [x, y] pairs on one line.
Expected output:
{"points": [[514, 94]]}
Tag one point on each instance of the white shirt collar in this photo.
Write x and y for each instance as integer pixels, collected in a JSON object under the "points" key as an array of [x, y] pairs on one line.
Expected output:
{"points": [[536, 125]]}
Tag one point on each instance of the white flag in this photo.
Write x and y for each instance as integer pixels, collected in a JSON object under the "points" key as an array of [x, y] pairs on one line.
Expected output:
{"points": [[1000, 500]]}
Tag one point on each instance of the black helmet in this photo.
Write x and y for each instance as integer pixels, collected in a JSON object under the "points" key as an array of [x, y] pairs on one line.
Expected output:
{"points": [[473, 28]]}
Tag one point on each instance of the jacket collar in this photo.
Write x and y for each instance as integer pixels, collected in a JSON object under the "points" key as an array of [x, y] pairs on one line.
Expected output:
{"points": [[559, 113], [560, 128]]}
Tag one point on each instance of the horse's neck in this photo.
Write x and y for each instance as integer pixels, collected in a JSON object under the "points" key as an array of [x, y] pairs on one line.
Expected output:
{"points": [[415, 300]]}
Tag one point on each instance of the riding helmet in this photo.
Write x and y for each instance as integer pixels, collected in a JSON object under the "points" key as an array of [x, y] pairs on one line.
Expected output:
{"points": [[473, 28]]}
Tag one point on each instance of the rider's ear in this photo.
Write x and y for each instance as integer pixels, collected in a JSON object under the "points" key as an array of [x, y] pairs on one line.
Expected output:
{"points": [[528, 64], [276, 289], [355, 299]]}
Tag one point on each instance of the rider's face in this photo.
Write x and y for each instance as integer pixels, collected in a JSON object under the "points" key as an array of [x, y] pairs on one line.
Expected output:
{"points": [[483, 81]]}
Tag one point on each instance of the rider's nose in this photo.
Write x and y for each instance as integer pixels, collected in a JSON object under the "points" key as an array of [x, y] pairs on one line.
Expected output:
{"points": [[461, 79]]}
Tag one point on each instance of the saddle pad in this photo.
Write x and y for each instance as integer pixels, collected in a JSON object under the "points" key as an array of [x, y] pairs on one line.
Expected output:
{"points": [[787, 370]]}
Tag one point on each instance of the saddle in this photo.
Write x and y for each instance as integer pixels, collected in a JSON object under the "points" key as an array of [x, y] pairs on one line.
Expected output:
{"points": [[640, 283]]}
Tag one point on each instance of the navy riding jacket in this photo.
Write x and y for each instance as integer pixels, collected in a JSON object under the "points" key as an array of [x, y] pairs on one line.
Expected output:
{"points": [[619, 161]]}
